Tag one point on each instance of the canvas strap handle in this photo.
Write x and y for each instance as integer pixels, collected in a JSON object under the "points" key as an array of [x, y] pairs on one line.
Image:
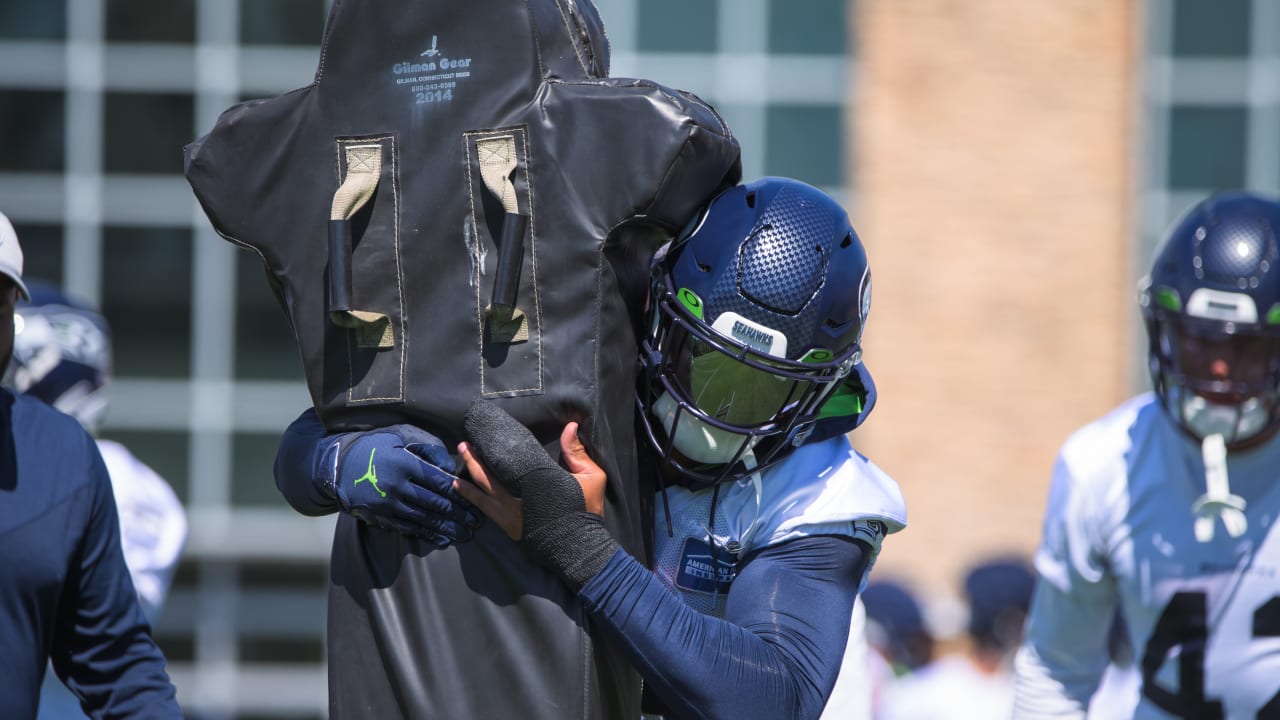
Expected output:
{"points": [[364, 170], [498, 161]]}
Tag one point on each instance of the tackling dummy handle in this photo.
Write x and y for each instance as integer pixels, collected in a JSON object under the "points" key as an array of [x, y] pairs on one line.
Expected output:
{"points": [[364, 170]]}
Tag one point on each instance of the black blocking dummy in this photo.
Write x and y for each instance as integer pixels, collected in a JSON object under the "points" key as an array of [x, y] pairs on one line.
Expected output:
{"points": [[463, 205]]}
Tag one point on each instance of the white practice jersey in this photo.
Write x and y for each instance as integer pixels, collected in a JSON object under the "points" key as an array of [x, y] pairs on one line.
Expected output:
{"points": [[823, 488], [949, 688], [153, 524], [1203, 618]]}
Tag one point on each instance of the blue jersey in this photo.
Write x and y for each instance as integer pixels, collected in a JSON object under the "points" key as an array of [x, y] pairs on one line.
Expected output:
{"points": [[1203, 617], [65, 592]]}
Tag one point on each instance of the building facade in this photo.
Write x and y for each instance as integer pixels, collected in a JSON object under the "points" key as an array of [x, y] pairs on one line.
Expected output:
{"points": [[1009, 166]]}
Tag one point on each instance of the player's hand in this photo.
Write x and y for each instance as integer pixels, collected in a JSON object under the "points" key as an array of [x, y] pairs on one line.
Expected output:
{"points": [[490, 497], [590, 476], [401, 478], [558, 527], [505, 509]]}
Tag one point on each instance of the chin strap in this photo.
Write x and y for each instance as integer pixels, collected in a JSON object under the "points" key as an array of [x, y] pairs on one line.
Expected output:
{"points": [[1217, 500]]}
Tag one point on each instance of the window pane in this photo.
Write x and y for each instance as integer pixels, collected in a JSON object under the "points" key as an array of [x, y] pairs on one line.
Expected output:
{"points": [[32, 121], [252, 481], [286, 576], [28, 20], [177, 646], [817, 27], [146, 284], [41, 251], [265, 348], [804, 142], [171, 21], [1206, 148], [677, 26], [1218, 28], [300, 639], [164, 452], [281, 22], [282, 650], [145, 132]]}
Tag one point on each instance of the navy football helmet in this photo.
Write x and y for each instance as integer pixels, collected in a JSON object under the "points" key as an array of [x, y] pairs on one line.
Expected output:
{"points": [[1212, 311], [754, 346], [61, 354]]}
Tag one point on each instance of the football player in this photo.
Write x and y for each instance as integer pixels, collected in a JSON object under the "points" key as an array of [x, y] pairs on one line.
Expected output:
{"points": [[770, 520], [1166, 506]]}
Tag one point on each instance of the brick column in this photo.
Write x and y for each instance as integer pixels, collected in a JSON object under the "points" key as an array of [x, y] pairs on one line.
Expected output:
{"points": [[994, 155]]}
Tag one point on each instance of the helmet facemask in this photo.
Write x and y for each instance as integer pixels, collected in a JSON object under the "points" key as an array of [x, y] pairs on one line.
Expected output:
{"points": [[1212, 310], [719, 409], [1216, 377]]}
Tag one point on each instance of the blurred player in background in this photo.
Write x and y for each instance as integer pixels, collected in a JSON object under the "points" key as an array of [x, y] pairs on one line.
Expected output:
{"points": [[62, 356], [898, 640], [1166, 507], [975, 683], [1121, 683], [896, 627]]}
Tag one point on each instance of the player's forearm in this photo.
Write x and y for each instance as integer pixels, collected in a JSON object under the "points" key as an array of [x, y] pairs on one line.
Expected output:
{"points": [[777, 655], [701, 666], [1040, 692], [295, 466], [1063, 653]]}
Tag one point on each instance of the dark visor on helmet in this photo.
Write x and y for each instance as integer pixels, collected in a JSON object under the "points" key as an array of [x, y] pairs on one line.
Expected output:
{"points": [[729, 389], [1238, 364], [738, 387]]}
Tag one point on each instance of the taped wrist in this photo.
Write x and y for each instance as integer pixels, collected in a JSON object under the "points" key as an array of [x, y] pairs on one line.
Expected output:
{"points": [[508, 450], [558, 530]]}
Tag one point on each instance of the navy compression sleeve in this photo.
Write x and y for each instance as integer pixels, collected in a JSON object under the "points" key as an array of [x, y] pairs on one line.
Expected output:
{"points": [[296, 462], [775, 654]]}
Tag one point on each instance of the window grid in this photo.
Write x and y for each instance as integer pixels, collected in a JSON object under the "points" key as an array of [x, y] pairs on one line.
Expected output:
{"points": [[1248, 82], [1237, 80], [209, 411], [744, 81]]}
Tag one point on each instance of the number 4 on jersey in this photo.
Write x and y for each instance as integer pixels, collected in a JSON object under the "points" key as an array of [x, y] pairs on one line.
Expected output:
{"points": [[1184, 624]]}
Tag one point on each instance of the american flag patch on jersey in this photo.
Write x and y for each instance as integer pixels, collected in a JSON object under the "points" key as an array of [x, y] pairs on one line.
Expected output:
{"points": [[700, 572]]}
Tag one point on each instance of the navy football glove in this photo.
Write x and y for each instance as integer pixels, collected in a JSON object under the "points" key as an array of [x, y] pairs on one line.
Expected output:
{"points": [[558, 530], [399, 477]]}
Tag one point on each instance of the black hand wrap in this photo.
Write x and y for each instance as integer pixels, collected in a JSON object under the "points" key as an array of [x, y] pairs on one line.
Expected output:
{"points": [[558, 530]]}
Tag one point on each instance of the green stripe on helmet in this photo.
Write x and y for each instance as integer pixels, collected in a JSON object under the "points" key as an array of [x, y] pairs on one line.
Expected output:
{"points": [[845, 401]]}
